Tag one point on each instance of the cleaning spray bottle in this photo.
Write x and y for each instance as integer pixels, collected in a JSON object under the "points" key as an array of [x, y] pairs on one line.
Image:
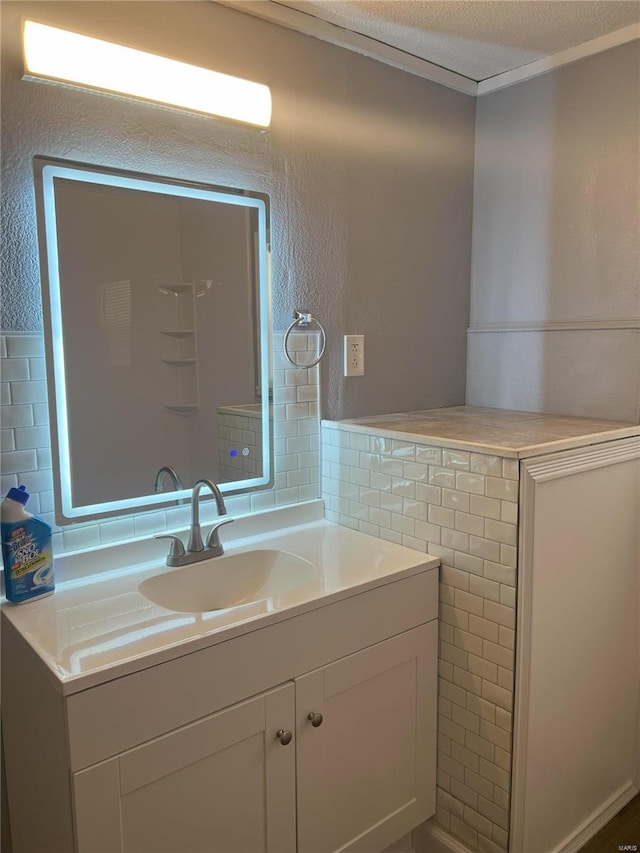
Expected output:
{"points": [[26, 550]]}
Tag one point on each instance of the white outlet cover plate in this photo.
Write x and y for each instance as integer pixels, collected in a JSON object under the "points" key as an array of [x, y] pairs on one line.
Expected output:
{"points": [[354, 355]]}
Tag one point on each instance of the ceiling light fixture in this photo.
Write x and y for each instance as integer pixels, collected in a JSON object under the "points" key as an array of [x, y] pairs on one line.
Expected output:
{"points": [[54, 54]]}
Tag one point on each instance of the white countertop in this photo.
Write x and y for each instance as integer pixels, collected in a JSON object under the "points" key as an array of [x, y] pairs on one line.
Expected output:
{"points": [[501, 432], [98, 628]]}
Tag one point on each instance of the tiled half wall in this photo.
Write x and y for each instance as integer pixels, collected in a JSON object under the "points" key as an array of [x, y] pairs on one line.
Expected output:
{"points": [[461, 507], [26, 451]]}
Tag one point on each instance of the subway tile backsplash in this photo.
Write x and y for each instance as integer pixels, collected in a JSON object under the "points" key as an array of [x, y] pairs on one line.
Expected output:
{"points": [[462, 507], [25, 451]]}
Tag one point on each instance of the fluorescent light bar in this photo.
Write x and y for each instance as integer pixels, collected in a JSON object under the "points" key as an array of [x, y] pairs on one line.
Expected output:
{"points": [[56, 54]]}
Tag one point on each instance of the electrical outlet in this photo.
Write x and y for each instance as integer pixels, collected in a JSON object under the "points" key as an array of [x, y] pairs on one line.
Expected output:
{"points": [[354, 355]]}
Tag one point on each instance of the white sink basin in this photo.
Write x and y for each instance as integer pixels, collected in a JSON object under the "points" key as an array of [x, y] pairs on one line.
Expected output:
{"points": [[224, 582]]}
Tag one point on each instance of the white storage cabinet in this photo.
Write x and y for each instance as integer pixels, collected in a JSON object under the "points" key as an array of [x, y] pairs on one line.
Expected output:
{"points": [[216, 751]]}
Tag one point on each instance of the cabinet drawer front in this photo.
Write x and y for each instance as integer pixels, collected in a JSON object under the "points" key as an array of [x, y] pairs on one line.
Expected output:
{"points": [[123, 713]]}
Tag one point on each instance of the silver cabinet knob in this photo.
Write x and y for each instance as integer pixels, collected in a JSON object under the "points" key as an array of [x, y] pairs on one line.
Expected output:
{"points": [[315, 719], [284, 736]]}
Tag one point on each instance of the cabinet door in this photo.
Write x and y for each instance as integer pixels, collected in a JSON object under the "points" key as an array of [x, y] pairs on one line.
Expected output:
{"points": [[224, 784], [366, 773]]}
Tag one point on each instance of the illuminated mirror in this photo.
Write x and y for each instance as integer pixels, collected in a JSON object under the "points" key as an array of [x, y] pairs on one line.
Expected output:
{"points": [[156, 304]]}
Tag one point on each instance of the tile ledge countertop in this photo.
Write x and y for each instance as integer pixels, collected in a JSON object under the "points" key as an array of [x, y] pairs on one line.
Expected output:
{"points": [[500, 432], [92, 630]]}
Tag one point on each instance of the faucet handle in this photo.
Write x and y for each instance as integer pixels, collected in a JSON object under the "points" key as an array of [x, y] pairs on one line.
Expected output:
{"points": [[176, 549], [213, 540]]}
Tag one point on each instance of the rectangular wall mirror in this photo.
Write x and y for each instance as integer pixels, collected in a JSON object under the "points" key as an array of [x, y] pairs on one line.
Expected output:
{"points": [[157, 327]]}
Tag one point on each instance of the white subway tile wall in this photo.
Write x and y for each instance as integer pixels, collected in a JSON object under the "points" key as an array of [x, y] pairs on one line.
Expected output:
{"points": [[26, 453], [462, 507]]}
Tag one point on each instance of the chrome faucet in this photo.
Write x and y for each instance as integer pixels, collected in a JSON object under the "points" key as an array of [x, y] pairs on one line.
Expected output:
{"points": [[195, 539], [196, 549], [173, 476]]}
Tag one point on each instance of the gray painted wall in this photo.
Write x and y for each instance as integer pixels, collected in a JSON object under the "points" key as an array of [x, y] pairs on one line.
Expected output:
{"points": [[556, 240], [369, 169]]}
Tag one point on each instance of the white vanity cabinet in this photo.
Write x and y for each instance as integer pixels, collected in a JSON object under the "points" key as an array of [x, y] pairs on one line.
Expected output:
{"points": [[193, 754], [359, 731]]}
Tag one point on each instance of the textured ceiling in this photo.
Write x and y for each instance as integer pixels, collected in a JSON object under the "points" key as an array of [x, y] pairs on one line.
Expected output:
{"points": [[476, 38]]}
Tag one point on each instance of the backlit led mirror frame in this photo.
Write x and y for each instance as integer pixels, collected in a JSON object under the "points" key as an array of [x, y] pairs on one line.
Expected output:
{"points": [[47, 175]]}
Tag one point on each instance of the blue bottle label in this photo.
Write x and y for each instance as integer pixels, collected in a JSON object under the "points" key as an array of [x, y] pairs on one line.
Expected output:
{"points": [[28, 560]]}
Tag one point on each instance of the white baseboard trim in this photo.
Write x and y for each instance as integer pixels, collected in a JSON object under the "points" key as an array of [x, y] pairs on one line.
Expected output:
{"points": [[440, 841], [598, 819]]}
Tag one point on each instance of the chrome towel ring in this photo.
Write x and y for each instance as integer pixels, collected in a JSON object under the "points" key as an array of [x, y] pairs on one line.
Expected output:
{"points": [[303, 319]]}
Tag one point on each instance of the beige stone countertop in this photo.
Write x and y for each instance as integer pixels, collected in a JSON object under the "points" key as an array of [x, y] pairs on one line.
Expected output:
{"points": [[503, 432]]}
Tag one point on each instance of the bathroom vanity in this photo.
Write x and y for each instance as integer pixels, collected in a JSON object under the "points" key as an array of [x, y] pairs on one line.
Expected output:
{"points": [[304, 719]]}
